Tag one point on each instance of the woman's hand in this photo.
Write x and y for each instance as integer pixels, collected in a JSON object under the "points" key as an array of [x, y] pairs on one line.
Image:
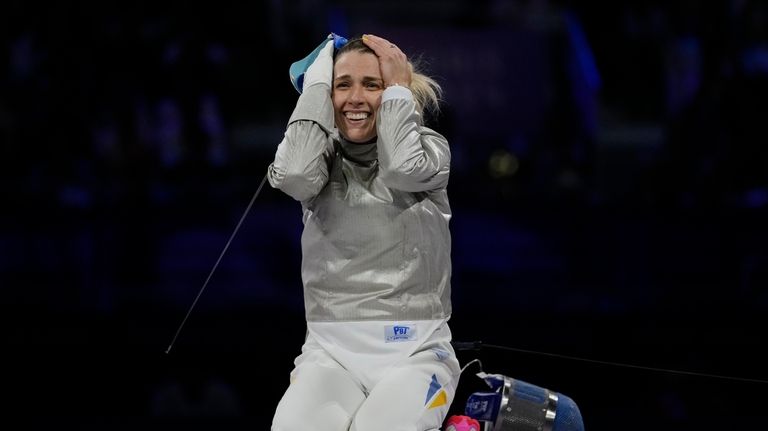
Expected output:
{"points": [[393, 63]]}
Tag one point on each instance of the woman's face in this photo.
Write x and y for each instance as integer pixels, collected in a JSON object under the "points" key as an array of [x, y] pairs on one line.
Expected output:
{"points": [[357, 87]]}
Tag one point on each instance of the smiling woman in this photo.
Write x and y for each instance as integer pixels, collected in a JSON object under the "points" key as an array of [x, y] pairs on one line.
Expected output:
{"points": [[357, 88], [376, 268], [371, 64]]}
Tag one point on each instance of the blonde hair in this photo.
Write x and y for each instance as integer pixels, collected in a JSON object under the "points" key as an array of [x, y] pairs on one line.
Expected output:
{"points": [[427, 93]]}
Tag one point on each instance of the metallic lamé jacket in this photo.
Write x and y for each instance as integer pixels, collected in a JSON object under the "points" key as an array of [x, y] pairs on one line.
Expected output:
{"points": [[376, 243]]}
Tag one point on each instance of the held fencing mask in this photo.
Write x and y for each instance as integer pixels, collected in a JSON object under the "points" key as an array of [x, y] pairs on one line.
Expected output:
{"points": [[515, 405]]}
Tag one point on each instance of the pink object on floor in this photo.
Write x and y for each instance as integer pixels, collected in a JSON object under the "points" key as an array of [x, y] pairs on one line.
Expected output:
{"points": [[462, 423]]}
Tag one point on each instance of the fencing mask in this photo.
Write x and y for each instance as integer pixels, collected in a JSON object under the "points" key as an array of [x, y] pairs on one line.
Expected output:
{"points": [[515, 405]]}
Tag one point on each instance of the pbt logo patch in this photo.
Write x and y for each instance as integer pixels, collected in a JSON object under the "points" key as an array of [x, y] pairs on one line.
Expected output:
{"points": [[398, 333]]}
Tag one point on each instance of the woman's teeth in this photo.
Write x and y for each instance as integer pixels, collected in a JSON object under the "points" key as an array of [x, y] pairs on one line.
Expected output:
{"points": [[356, 115]]}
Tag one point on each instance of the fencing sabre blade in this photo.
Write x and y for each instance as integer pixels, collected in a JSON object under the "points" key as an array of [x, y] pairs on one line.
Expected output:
{"points": [[245, 213]]}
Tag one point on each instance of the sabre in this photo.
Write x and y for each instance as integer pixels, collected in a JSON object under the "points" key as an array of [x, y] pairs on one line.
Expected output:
{"points": [[245, 213]]}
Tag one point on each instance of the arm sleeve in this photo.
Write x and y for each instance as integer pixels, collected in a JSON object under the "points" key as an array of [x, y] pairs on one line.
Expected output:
{"points": [[412, 158], [302, 160]]}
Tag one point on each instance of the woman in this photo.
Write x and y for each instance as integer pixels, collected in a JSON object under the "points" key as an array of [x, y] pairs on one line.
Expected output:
{"points": [[371, 179]]}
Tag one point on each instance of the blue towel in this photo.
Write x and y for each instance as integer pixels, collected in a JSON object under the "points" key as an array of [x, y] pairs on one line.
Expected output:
{"points": [[299, 68]]}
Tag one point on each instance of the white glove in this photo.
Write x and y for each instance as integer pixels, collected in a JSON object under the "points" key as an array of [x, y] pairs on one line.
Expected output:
{"points": [[321, 70]]}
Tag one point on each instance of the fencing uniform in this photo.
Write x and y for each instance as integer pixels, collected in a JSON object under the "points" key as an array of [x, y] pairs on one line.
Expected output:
{"points": [[376, 270]]}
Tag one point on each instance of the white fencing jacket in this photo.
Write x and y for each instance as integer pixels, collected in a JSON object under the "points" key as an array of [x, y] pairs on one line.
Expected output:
{"points": [[376, 243]]}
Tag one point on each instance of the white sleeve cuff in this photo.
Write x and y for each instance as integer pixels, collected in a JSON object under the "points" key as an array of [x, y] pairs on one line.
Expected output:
{"points": [[396, 92]]}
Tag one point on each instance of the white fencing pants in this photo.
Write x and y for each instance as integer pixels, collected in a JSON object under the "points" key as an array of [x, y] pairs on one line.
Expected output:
{"points": [[412, 394]]}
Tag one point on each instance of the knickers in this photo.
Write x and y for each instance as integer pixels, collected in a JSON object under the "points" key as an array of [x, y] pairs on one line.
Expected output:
{"points": [[412, 393]]}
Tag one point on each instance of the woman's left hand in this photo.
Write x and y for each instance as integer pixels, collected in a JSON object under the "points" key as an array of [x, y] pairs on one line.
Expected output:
{"points": [[395, 69]]}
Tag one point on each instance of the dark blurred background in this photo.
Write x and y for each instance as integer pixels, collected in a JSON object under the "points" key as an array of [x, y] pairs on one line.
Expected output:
{"points": [[609, 188]]}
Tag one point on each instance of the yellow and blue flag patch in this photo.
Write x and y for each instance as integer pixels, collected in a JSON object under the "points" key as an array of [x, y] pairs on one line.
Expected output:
{"points": [[436, 394]]}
